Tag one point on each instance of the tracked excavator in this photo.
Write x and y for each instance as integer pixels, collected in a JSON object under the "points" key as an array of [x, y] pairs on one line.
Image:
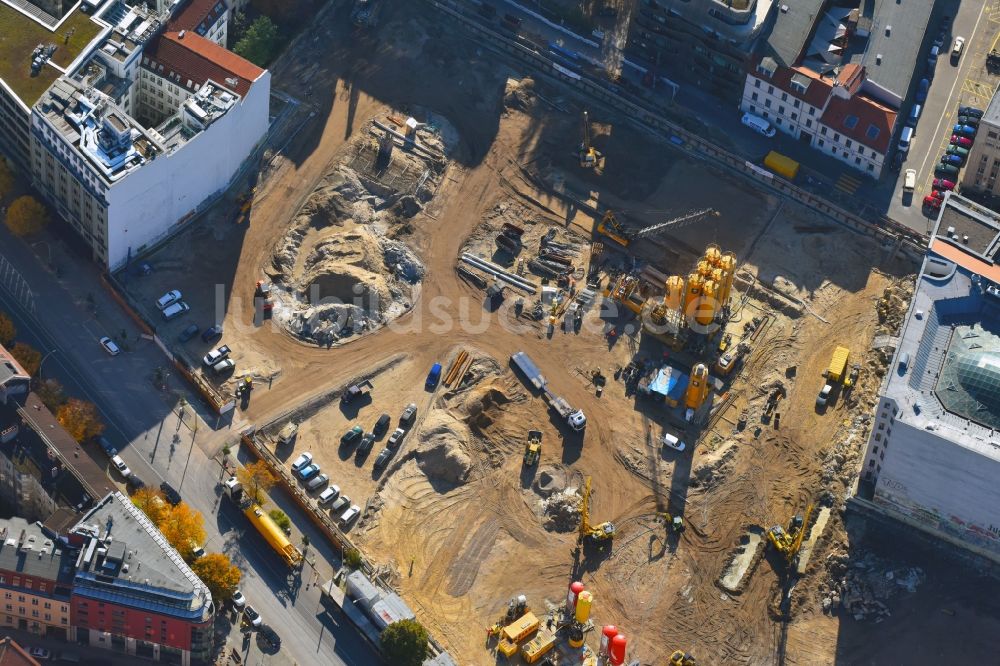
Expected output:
{"points": [[601, 532], [788, 541]]}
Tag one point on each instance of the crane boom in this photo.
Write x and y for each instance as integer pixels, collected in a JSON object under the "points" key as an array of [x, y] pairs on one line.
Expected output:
{"points": [[677, 222]]}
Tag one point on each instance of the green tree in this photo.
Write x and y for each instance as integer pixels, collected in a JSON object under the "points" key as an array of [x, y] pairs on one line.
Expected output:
{"points": [[51, 394], [7, 330], [352, 558], [80, 419], [219, 574], [405, 643], [261, 42], [6, 178], [29, 357], [280, 519], [26, 216]]}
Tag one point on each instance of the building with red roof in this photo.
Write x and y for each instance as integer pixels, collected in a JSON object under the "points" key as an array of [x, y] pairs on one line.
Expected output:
{"points": [[206, 18]]}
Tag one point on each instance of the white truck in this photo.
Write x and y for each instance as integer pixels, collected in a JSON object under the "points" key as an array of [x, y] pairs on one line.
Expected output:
{"points": [[574, 417]]}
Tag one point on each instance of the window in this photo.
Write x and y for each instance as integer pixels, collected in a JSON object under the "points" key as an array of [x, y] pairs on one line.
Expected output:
{"points": [[766, 116], [857, 160], [871, 463], [809, 123], [784, 97], [770, 90], [836, 136], [754, 97], [781, 110], [848, 144], [878, 437], [851, 121], [753, 109], [991, 134], [822, 130], [821, 143], [812, 111], [872, 132], [795, 116], [881, 426], [795, 103], [875, 450], [767, 103]]}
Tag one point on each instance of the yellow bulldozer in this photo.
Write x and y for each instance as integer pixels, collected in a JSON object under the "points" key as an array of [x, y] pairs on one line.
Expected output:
{"points": [[533, 449], [601, 532], [788, 541]]}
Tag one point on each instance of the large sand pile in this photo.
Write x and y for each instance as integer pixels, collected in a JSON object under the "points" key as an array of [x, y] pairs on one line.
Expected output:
{"points": [[442, 454]]}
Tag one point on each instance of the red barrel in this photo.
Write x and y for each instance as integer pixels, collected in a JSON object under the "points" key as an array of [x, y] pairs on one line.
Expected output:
{"points": [[575, 588], [617, 654], [607, 633]]}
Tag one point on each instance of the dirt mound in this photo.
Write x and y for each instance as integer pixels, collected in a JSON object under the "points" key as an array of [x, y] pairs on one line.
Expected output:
{"points": [[442, 452], [519, 95], [550, 480], [484, 403], [562, 511], [892, 306]]}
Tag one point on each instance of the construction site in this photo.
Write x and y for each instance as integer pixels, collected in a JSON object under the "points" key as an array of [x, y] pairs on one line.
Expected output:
{"points": [[655, 379]]}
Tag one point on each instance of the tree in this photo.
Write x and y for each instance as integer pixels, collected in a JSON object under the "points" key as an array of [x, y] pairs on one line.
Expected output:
{"points": [[80, 419], [26, 216], [29, 357], [6, 178], [52, 394], [184, 529], [151, 502], [7, 330], [219, 574], [280, 519], [261, 42], [352, 558], [256, 479], [405, 643]]}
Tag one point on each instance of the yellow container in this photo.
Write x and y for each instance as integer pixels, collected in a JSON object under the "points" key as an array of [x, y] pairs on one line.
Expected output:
{"points": [[692, 293], [583, 603], [507, 648], [575, 641], [675, 292], [697, 389], [713, 255], [708, 304], [705, 268]]}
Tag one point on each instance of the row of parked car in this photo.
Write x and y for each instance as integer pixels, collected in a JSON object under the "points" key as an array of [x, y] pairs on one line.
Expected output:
{"points": [[309, 473], [954, 158], [171, 306]]}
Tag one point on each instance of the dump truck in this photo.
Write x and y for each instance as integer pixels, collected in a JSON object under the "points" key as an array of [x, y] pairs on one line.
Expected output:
{"points": [[356, 391], [834, 374], [781, 165], [574, 417], [268, 529]]}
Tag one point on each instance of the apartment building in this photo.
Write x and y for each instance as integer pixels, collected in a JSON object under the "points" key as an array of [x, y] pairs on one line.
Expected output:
{"points": [[136, 121], [933, 455], [830, 113], [132, 592], [983, 165], [36, 579], [14, 380]]}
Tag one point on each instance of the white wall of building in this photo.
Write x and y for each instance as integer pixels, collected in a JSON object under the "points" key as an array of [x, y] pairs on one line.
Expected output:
{"points": [[946, 487], [145, 205]]}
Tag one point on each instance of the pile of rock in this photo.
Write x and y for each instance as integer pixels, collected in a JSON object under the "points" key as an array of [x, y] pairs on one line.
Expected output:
{"points": [[862, 584]]}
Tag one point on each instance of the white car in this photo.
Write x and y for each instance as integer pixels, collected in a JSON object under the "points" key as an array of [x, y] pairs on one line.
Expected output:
{"points": [[121, 466], [239, 601], [348, 516], [956, 50], [110, 346], [168, 298], [175, 310], [331, 493], [302, 461], [910, 180], [673, 442]]}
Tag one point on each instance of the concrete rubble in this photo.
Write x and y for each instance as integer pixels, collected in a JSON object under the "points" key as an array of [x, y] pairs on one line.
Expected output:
{"points": [[861, 585]]}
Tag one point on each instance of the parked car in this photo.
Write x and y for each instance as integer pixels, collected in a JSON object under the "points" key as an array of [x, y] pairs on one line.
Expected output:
{"points": [[168, 299], [120, 465], [216, 355], [175, 310], [133, 483], [106, 446], [942, 184], [382, 424], [270, 637], [40, 653], [303, 460], [170, 493], [408, 414], [383, 457], [340, 504], [223, 366], [932, 202], [970, 111], [239, 601], [897, 161], [910, 180], [197, 552], [957, 140], [317, 481], [937, 194], [252, 616], [329, 494], [942, 170], [958, 150], [212, 334], [396, 438], [348, 516], [433, 377], [964, 130], [971, 121], [922, 88], [188, 333], [949, 158], [945, 22], [351, 436], [956, 48], [367, 441], [110, 346], [309, 471]]}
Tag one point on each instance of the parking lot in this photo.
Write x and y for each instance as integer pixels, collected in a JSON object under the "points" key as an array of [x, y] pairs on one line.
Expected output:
{"points": [[956, 82]]}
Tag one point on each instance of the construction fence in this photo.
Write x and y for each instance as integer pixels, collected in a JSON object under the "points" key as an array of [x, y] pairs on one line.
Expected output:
{"points": [[883, 229]]}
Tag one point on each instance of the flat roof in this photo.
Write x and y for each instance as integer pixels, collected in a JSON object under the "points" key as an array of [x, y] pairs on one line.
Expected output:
{"points": [[25, 549], [992, 115], [791, 29], [19, 35], [969, 235], [893, 56]]}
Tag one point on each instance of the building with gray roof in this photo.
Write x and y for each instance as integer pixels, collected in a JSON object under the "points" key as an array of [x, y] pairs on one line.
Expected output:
{"points": [[896, 49]]}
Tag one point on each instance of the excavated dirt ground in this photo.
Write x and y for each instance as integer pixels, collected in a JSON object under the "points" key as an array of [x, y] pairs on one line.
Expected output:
{"points": [[462, 524]]}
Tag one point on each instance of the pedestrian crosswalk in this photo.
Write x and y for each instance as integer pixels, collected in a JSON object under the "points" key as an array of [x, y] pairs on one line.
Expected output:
{"points": [[847, 183]]}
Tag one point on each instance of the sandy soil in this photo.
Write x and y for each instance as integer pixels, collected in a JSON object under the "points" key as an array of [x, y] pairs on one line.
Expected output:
{"points": [[456, 516]]}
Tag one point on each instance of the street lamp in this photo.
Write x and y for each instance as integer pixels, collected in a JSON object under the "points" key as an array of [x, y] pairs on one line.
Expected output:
{"points": [[42, 363]]}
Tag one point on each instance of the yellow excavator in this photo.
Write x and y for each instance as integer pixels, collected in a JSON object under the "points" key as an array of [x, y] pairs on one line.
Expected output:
{"points": [[590, 158], [681, 658], [533, 449], [789, 541], [604, 531], [676, 523]]}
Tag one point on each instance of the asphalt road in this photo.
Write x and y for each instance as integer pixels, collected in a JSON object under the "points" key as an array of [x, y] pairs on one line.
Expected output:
{"points": [[143, 423]]}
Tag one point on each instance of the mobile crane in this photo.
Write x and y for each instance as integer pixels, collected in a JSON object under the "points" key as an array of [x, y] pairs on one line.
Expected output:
{"points": [[590, 158], [601, 532]]}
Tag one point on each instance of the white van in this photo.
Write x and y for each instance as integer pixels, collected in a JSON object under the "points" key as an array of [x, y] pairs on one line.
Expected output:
{"points": [[673, 442], [348, 516], [904, 139], [910, 180], [178, 308], [759, 125]]}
